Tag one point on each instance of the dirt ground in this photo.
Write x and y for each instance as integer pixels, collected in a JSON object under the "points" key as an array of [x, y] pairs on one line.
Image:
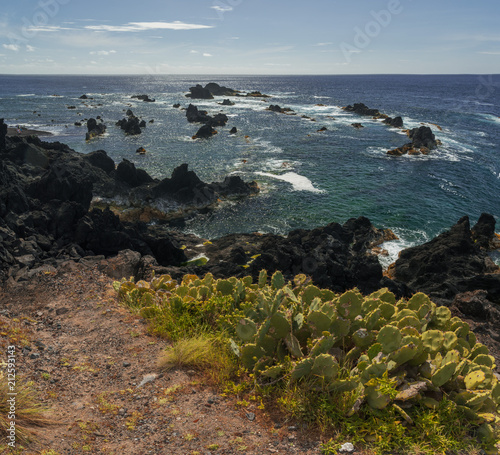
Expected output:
{"points": [[95, 367]]}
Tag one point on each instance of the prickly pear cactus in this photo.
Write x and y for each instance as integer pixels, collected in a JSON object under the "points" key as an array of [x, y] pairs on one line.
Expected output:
{"points": [[386, 351]]}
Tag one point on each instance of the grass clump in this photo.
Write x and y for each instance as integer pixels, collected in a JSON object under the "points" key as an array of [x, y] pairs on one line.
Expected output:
{"points": [[30, 414], [203, 353]]}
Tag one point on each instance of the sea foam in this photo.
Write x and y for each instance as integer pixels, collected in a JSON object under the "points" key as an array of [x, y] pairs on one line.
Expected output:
{"points": [[299, 182]]}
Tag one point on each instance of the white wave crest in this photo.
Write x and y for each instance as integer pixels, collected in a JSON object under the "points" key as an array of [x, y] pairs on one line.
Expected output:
{"points": [[299, 182]]}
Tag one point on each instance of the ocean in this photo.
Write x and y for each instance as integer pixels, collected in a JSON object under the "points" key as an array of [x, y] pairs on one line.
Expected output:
{"points": [[307, 178]]}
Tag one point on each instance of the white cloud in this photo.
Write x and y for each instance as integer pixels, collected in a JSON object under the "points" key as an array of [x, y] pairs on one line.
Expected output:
{"points": [[206, 54], [47, 28], [222, 9], [30, 48], [142, 26], [11, 47], [490, 52], [193, 52], [102, 52], [323, 44]]}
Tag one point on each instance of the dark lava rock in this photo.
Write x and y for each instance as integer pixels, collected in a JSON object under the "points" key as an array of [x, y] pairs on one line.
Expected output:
{"points": [[357, 125], [131, 125], [102, 233], [396, 122], [423, 141], [176, 106], [335, 256], [281, 110], [473, 304], [200, 93], [3, 133], [234, 130], [423, 137], [194, 115], [145, 98], [227, 102], [235, 186], [100, 159], [218, 120], [217, 90], [362, 109], [484, 230], [127, 172], [449, 264], [205, 132], [94, 128]]}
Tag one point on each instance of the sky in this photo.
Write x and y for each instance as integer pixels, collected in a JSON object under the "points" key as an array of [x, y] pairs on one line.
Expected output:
{"points": [[250, 37]]}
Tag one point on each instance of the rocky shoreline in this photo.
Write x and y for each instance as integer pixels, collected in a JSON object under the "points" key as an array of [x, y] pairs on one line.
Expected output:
{"points": [[57, 205]]}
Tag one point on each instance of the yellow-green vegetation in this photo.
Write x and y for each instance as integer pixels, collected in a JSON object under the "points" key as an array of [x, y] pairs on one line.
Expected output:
{"points": [[203, 352], [392, 375], [132, 420], [105, 406], [30, 413], [13, 332]]}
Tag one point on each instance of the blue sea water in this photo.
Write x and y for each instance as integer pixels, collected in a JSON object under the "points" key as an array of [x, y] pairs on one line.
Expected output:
{"points": [[308, 178]]}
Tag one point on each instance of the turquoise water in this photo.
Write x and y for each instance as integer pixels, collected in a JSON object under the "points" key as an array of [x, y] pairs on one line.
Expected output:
{"points": [[307, 178]]}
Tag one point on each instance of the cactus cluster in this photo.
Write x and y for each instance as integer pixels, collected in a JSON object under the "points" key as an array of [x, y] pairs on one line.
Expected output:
{"points": [[388, 352]]}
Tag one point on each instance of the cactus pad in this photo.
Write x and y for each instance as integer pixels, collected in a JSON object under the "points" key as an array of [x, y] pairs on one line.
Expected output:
{"points": [[225, 287], [474, 379], [319, 321], [363, 338], [442, 375], [390, 338], [277, 280], [302, 368], [433, 340], [280, 327], [246, 329], [349, 304], [250, 354], [325, 366]]}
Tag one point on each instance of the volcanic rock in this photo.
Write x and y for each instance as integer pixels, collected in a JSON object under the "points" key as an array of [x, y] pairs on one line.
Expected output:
{"points": [[205, 132], [199, 92], [145, 98], [449, 264], [94, 128]]}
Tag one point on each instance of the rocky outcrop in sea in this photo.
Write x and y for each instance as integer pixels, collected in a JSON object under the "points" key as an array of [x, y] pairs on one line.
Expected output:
{"points": [[422, 142]]}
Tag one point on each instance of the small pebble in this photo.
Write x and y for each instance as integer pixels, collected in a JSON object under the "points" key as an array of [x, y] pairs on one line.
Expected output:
{"points": [[126, 364], [250, 416]]}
